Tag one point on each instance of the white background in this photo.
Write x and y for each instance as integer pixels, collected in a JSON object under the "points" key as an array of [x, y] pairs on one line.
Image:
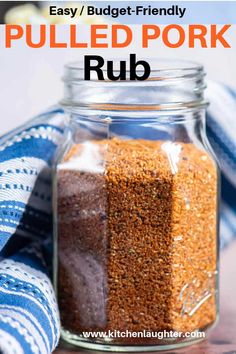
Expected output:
{"points": [[31, 78]]}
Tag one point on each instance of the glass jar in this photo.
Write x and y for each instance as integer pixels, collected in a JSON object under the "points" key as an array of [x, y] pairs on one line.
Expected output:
{"points": [[135, 212]]}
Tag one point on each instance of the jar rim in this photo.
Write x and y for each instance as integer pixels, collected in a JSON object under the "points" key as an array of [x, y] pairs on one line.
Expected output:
{"points": [[161, 69], [173, 84]]}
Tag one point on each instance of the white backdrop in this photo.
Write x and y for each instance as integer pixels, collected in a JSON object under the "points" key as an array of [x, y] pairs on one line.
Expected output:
{"points": [[30, 79]]}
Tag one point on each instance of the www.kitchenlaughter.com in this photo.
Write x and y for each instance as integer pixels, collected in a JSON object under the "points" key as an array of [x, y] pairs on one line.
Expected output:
{"points": [[144, 334]]}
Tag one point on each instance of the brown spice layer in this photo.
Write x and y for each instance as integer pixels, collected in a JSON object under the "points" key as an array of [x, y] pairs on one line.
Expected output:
{"points": [[137, 241]]}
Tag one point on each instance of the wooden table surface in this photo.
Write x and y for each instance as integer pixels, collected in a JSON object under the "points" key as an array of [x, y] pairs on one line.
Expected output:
{"points": [[222, 340]]}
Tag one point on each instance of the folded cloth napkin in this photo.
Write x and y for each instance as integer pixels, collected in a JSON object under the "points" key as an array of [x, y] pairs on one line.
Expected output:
{"points": [[29, 318]]}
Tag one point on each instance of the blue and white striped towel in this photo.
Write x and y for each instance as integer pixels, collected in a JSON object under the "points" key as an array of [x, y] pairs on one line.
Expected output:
{"points": [[29, 320]]}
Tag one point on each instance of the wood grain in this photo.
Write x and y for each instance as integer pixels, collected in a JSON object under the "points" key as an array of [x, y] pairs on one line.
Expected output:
{"points": [[222, 340]]}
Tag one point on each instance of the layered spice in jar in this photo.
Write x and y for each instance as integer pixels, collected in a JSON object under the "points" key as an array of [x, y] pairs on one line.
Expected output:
{"points": [[136, 238]]}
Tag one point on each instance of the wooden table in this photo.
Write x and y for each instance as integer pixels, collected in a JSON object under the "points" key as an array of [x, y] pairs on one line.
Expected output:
{"points": [[223, 338]]}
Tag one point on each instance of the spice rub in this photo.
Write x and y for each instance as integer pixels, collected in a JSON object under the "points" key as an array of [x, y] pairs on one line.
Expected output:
{"points": [[137, 237]]}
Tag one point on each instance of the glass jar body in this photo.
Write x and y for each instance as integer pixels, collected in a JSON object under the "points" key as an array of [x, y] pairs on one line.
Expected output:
{"points": [[136, 230]]}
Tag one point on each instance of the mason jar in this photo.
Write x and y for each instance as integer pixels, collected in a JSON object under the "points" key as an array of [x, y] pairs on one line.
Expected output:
{"points": [[135, 212]]}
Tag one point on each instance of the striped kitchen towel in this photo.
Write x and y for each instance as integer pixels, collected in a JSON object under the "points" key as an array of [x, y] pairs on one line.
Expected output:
{"points": [[221, 131], [29, 320]]}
